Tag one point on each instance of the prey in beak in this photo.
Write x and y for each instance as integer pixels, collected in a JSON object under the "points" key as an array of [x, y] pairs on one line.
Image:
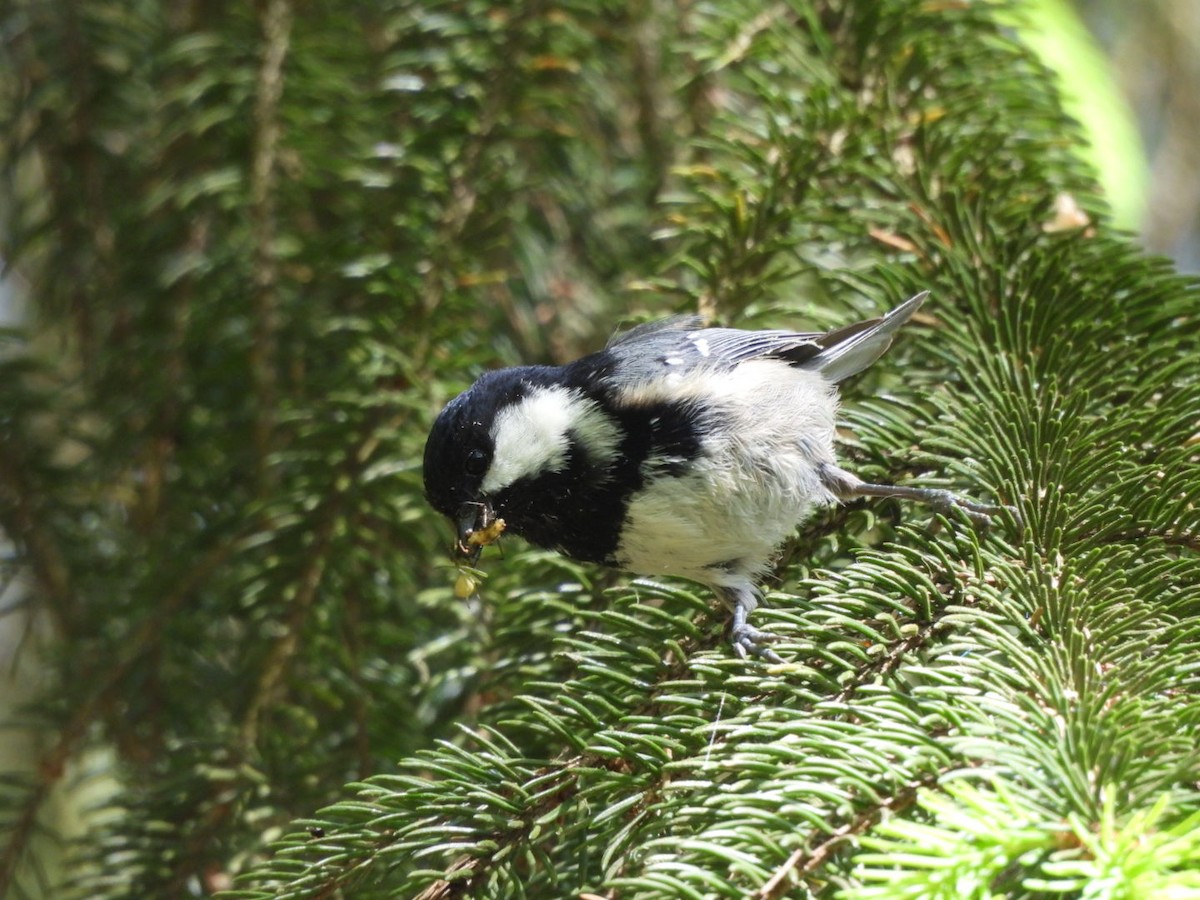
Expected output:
{"points": [[478, 526]]}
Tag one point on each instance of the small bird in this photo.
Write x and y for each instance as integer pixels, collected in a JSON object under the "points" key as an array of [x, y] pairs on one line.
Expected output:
{"points": [[676, 450]]}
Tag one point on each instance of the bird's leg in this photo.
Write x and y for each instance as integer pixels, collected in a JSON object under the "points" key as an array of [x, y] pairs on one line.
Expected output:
{"points": [[846, 486], [746, 639]]}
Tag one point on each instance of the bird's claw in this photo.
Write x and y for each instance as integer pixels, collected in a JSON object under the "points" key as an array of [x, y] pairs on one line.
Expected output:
{"points": [[980, 514], [748, 640]]}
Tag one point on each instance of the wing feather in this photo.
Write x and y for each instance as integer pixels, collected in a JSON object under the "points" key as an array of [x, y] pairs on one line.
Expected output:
{"points": [[731, 345], [679, 344]]}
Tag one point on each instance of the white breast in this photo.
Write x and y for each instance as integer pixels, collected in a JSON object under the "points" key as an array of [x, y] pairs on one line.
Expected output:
{"points": [[753, 483]]}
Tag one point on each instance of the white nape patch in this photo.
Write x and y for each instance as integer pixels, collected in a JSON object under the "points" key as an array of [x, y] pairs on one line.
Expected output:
{"points": [[701, 345], [673, 361], [595, 430], [533, 436]]}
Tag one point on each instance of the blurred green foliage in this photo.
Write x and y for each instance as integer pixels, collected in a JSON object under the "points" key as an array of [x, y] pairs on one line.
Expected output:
{"points": [[261, 244], [1092, 95]]}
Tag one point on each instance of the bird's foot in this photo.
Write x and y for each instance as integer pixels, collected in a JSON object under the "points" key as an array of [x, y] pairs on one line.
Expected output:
{"points": [[742, 598], [750, 641], [980, 514]]}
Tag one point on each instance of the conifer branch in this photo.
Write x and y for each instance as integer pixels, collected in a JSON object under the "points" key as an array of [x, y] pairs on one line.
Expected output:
{"points": [[285, 647]]}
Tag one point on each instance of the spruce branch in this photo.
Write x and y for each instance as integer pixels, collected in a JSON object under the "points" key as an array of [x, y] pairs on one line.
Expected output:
{"points": [[559, 782], [494, 106], [325, 520], [308, 582]]}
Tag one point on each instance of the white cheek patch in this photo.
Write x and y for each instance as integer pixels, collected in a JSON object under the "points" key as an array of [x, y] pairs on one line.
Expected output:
{"points": [[529, 437], [533, 436]]}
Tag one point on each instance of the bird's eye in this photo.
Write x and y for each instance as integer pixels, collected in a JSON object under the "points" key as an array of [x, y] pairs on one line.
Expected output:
{"points": [[476, 462]]}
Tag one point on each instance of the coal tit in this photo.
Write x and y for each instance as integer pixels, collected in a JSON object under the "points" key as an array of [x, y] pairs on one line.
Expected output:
{"points": [[675, 450]]}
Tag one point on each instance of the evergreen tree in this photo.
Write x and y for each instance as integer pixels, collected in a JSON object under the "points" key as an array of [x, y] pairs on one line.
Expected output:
{"points": [[262, 244]]}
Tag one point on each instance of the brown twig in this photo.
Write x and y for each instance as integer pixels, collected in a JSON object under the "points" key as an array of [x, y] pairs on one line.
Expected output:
{"points": [[276, 26], [805, 861]]}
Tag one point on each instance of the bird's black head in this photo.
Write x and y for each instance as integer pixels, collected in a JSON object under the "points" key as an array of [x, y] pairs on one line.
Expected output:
{"points": [[462, 472]]}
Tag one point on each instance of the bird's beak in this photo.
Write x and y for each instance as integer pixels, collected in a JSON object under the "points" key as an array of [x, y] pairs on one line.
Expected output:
{"points": [[476, 523]]}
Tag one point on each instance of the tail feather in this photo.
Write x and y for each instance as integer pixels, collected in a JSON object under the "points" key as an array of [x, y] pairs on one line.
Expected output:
{"points": [[851, 349]]}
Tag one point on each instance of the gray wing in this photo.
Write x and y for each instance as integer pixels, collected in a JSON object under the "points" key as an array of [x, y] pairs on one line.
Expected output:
{"points": [[678, 344], [732, 346], [847, 351], [646, 329], [681, 343], [836, 354]]}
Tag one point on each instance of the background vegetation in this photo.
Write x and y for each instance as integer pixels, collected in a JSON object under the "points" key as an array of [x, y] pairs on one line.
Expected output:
{"points": [[261, 244], [1152, 51]]}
